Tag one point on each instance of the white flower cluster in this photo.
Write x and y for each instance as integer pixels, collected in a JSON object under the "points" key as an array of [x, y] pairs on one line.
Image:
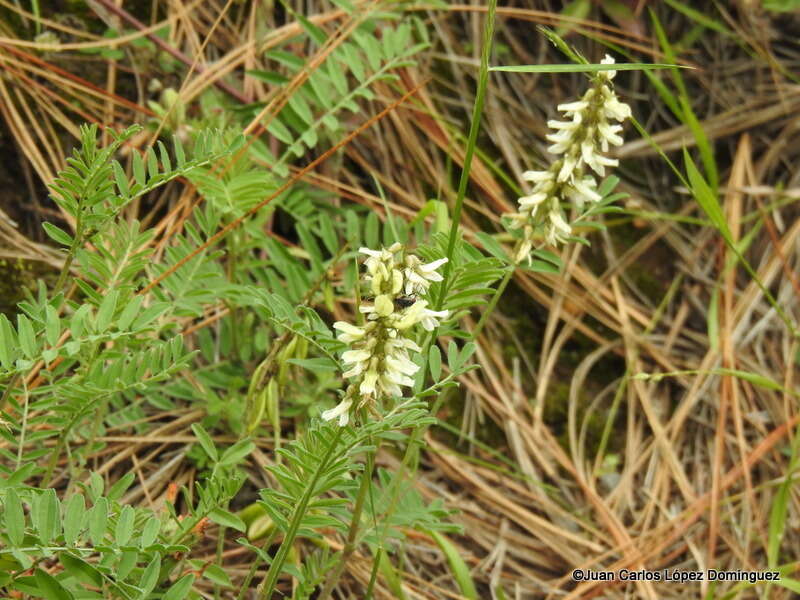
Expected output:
{"points": [[591, 124], [378, 359]]}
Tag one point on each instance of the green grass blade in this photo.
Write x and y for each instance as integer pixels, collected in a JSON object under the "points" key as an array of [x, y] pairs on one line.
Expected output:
{"points": [[699, 17], [593, 68], [457, 566], [686, 113], [780, 507]]}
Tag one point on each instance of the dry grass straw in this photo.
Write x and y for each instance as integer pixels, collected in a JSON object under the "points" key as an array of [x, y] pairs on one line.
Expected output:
{"points": [[693, 462]]}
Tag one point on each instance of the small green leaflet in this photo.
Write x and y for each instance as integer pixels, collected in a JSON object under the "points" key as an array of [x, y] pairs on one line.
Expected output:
{"points": [[50, 588], [228, 519], [74, 510], [205, 441], [180, 589], [14, 518]]}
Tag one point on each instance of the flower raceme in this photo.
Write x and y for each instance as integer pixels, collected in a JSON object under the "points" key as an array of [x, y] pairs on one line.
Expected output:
{"points": [[378, 359], [590, 126]]}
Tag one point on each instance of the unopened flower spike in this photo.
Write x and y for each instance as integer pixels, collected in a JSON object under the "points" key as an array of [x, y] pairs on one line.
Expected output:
{"points": [[589, 127], [378, 360]]}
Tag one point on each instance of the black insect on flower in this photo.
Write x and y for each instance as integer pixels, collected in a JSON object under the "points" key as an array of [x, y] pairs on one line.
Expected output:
{"points": [[402, 302]]}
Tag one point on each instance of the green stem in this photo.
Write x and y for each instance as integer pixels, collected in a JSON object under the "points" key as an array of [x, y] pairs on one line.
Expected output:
{"points": [[493, 302], [254, 567], [62, 277], [67, 429], [220, 548], [248, 578], [77, 242], [477, 110], [352, 535], [233, 250], [373, 576], [7, 392], [280, 556]]}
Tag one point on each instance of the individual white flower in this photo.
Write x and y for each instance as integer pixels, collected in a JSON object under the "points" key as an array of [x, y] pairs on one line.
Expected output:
{"points": [[356, 370], [383, 255], [355, 356], [567, 168], [406, 343], [350, 333], [368, 383], [410, 316], [583, 190], [524, 249], [573, 107], [532, 201], [537, 176], [558, 230], [608, 60], [609, 135], [392, 379], [358, 359], [341, 410], [389, 386], [613, 108], [598, 162], [565, 125], [400, 363], [384, 306], [561, 141], [430, 319], [419, 276]]}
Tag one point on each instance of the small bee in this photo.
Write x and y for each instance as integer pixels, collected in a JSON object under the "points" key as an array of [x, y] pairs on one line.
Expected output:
{"points": [[402, 302]]}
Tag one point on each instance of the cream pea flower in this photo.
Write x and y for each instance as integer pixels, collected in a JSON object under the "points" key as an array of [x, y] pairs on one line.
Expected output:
{"points": [[419, 276], [350, 333], [341, 410], [589, 127], [379, 356]]}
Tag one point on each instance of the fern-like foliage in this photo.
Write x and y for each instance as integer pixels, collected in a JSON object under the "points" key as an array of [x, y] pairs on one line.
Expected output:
{"points": [[316, 469], [93, 188], [391, 514], [235, 190], [152, 171], [314, 464], [196, 284], [37, 526], [106, 549], [312, 572], [333, 89]]}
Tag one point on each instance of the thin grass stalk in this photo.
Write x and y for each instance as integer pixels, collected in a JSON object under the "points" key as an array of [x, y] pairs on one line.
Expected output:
{"points": [[493, 302], [745, 263], [254, 567], [477, 111], [373, 576]]}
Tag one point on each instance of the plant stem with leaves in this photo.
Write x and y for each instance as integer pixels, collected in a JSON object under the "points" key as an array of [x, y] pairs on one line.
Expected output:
{"points": [[355, 522], [275, 567]]}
